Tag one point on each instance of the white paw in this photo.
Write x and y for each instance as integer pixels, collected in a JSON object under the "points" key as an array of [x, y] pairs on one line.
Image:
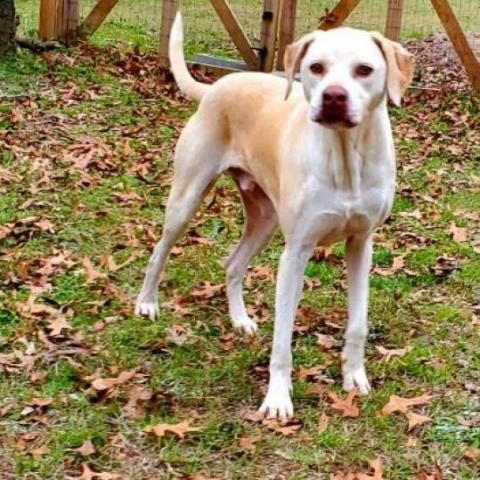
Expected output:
{"points": [[247, 325], [147, 308], [277, 404], [356, 377]]}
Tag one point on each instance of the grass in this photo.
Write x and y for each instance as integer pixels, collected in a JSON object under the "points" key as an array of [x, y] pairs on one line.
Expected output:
{"points": [[137, 23], [79, 104]]}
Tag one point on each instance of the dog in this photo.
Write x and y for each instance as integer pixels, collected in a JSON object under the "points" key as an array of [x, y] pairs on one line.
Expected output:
{"points": [[314, 157]]}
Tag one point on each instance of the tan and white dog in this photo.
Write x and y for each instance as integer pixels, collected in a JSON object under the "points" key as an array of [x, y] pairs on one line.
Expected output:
{"points": [[318, 161]]}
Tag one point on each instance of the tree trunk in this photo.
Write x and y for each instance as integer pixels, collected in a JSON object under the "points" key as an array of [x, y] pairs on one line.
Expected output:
{"points": [[7, 26]]}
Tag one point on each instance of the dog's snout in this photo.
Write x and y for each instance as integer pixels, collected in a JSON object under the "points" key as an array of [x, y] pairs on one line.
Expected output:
{"points": [[335, 96]]}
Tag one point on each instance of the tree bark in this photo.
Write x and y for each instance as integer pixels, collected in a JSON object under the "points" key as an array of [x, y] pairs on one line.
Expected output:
{"points": [[7, 26]]}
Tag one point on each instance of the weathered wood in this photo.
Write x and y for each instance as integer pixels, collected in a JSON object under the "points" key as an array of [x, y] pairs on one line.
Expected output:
{"points": [[458, 39], [96, 17], [339, 14], [169, 10], [286, 30], [46, 27], [236, 32], [268, 34], [58, 20], [7, 27], [393, 27]]}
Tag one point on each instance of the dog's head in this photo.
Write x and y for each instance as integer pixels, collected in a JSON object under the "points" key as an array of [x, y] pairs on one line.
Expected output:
{"points": [[346, 73]]}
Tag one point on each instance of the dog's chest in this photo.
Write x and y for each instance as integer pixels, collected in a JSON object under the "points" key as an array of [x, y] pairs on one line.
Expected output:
{"points": [[339, 215]]}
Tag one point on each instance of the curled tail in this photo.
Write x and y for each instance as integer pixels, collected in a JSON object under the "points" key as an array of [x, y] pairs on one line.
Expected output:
{"points": [[185, 81]]}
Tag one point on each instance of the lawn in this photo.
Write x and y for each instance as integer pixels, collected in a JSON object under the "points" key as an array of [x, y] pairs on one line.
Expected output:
{"points": [[86, 139]]}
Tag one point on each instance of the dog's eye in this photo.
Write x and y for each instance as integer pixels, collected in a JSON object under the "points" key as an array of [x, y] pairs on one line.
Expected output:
{"points": [[363, 70], [317, 68]]}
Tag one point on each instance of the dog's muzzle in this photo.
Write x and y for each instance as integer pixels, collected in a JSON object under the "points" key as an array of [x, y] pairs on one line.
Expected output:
{"points": [[334, 112]]}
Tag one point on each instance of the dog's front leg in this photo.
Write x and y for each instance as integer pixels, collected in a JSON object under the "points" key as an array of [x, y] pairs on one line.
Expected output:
{"points": [[277, 402], [359, 260]]}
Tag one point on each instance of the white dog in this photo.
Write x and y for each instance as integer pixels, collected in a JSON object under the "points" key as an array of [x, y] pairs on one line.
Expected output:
{"points": [[318, 161]]}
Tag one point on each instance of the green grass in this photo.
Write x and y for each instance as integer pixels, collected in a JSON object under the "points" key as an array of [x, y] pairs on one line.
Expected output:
{"points": [[110, 208], [135, 23]]}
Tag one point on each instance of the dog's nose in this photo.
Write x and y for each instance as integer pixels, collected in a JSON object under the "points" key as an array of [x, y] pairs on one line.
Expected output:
{"points": [[335, 96]]}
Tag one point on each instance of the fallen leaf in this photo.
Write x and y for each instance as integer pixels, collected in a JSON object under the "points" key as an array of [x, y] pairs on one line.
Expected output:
{"points": [[411, 442], [377, 471], [399, 404], [414, 419], [43, 450], [284, 430], [347, 406], [436, 475], [472, 453], [388, 354], [106, 383], [40, 402], [179, 429], [56, 326], [207, 290], [304, 373], [339, 475], [458, 234], [327, 341], [323, 423], [85, 449], [177, 334], [247, 444], [91, 274], [398, 264]]}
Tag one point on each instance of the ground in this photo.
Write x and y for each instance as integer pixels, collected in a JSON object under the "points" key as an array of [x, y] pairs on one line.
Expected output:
{"points": [[86, 141]]}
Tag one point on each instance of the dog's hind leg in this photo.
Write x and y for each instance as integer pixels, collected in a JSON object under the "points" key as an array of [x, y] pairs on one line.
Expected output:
{"points": [[260, 224], [195, 173]]}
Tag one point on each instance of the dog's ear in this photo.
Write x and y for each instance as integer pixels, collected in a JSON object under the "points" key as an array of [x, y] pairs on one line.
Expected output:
{"points": [[400, 67], [293, 56]]}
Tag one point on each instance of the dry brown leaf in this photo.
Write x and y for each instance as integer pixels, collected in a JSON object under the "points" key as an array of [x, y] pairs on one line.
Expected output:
{"points": [[106, 383], [284, 430], [85, 449], [91, 274], [411, 442], [414, 419], [40, 402], [56, 326], [377, 471], [323, 423], [207, 290], [348, 406], [177, 334], [435, 475], [398, 264], [304, 373], [136, 398], [399, 404], [247, 444], [339, 475], [43, 450], [89, 474], [327, 341], [388, 354], [253, 416], [472, 453], [459, 234], [179, 429]]}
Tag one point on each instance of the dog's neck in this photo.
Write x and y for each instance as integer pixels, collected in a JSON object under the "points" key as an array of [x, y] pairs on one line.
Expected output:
{"points": [[345, 154]]}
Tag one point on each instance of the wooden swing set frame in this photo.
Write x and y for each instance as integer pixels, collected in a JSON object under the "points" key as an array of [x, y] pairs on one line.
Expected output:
{"points": [[59, 21]]}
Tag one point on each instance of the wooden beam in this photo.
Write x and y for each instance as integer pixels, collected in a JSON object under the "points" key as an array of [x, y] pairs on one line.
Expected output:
{"points": [[169, 10], [339, 14], [287, 29], [58, 20], [458, 39], [236, 33], [96, 17], [393, 27], [46, 26], [268, 34]]}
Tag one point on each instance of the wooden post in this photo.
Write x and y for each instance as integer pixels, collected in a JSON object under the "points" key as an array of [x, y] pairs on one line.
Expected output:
{"points": [[268, 35], [339, 14], [169, 10], [236, 32], [287, 29], [393, 27], [58, 20], [458, 39], [96, 17]]}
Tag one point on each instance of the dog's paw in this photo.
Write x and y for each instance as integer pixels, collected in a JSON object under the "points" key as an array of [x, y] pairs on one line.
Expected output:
{"points": [[147, 309], [356, 377], [246, 325], [277, 404]]}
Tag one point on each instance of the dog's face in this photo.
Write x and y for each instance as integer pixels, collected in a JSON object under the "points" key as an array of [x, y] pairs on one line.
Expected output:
{"points": [[346, 73]]}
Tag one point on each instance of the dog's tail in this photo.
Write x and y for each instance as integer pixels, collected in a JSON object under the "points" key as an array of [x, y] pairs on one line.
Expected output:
{"points": [[185, 81]]}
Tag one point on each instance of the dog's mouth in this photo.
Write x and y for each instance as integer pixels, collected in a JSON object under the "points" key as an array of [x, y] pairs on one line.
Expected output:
{"points": [[335, 122]]}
